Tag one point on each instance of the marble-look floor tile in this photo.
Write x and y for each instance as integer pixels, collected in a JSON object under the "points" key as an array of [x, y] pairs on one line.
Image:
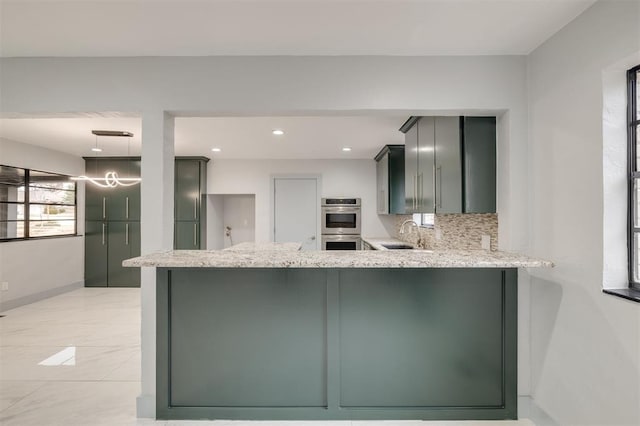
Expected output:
{"points": [[129, 370], [101, 388], [45, 334], [75, 403], [113, 334], [87, 363], [13, 391]]}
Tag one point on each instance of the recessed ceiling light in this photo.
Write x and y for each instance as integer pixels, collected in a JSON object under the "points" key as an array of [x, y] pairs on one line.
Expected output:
{"points": [[278, 132], [346, 149], [216, 149], [96, 149]]}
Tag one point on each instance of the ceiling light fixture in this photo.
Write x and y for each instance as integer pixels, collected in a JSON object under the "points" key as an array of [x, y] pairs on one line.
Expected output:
{"points": [[216, 149], [95, 148], [346, 149], [111, 178], [278, 132]]}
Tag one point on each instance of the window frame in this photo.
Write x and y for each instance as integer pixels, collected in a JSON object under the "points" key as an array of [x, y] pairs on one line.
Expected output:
{"points": [[27, 206], [633, 123]]}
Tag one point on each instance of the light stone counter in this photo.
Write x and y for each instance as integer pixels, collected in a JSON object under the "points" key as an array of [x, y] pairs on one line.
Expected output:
{"points": [[376, 243], [336, 259], [268, 246]]}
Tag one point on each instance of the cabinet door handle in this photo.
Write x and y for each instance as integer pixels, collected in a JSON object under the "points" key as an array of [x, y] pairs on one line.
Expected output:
{"points": [[415, 191], [419, 190], [126, 234], [103, 226], [195, 235], [126, 207], [104, 207], [195, 208], [439, 183]]}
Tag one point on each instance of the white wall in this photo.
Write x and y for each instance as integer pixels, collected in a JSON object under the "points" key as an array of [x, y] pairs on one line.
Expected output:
{"points": [[238, 211], [215, 222], [255, 86], [240, 216], [353, 178], [38, 268], [585, 345]]}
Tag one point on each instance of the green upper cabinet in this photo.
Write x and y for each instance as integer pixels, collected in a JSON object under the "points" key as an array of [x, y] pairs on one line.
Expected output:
{"points": [[188, 190], [425, 185], [419, 164], [450, 164], [119, 203], [410, 130], [390, 180], [479, 166], [190, 203], [125, 203]]}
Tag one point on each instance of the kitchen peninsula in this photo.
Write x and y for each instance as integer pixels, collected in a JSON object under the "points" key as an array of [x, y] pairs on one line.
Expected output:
{"points": [[285, 334]]}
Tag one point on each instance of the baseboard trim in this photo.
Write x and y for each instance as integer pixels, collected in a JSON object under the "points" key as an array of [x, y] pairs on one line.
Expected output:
{"points": [[528, 409], [146, 406], [36, 297]]}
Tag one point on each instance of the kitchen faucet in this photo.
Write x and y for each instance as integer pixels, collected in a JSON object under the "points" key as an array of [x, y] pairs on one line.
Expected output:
{"points": [[404, 223]]}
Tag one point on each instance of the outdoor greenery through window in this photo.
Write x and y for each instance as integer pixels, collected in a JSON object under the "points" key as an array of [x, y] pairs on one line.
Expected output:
{"points": [[633, 77], [35, 204]]}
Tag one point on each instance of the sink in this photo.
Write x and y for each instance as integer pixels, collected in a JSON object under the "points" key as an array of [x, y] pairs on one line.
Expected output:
{"points": [[397, 246]]}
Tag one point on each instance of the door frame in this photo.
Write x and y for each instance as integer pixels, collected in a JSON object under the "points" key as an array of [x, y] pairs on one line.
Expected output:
{"points": [[272, 201]]}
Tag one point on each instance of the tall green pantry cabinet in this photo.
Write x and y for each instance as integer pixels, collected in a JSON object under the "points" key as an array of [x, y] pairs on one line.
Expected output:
{"points": [[112, 217], [112, 224], [190, 215]]}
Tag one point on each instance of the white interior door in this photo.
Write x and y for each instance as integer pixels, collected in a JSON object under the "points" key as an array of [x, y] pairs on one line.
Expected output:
{"points": [[295, 211]]}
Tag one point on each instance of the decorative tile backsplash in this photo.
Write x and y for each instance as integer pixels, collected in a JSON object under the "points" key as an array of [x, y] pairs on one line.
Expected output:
{"points": [[452, 231]]}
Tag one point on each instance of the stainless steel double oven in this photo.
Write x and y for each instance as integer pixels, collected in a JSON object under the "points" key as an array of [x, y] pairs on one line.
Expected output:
{"points": [[341, 224]]}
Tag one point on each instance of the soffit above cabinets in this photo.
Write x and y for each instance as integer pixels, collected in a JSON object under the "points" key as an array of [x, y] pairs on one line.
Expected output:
{"points": [[319, 137]]}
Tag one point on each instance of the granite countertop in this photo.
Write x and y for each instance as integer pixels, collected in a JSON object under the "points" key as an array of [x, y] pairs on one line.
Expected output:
{"points": [[268, 246], [376, 242], [336, 259]]}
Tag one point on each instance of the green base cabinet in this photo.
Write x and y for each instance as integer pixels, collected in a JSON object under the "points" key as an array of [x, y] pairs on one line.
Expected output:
{"points": [[96, 250], [124, 243], [319, 344]]}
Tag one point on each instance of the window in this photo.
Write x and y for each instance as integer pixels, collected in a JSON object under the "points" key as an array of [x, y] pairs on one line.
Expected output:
{"points": [[35, 204], [633, 78]]}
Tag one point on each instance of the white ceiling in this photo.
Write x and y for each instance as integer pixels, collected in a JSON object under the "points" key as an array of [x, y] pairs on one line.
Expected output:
{"points": [[262, 27], [238, 137], [290, 27], [305, 137]]}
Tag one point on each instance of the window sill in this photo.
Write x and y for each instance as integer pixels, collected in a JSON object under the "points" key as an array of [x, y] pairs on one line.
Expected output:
{"points": [[48, 237], [625, 293]]}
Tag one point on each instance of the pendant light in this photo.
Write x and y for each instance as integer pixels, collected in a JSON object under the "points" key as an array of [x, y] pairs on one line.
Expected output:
{"points": [[111, 178]]}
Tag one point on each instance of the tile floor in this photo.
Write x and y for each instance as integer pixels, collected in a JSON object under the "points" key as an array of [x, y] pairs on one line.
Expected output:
{"points": [[74, 359]]}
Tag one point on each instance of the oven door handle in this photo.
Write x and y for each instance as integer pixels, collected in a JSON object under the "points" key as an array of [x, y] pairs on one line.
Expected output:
{"points": [[341, 210], [341, 237]]}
